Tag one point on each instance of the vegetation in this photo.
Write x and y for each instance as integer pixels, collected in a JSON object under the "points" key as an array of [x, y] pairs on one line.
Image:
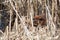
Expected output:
{"points": [[29, 19]]}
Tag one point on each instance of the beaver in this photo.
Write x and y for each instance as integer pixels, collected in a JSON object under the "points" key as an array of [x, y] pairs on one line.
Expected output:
{"points": [[39, 20]]}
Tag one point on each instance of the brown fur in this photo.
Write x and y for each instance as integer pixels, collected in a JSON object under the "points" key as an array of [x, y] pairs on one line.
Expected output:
{"points": [[39, 20]]}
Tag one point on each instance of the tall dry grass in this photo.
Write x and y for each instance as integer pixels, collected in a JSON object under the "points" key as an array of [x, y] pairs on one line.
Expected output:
{"points": [[23, 28]]}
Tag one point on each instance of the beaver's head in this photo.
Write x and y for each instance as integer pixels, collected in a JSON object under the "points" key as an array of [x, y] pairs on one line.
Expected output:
{"points": [[39, 20]]}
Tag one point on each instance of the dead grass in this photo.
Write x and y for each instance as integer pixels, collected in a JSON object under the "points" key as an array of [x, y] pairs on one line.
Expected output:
{"points": [[24, 28]]}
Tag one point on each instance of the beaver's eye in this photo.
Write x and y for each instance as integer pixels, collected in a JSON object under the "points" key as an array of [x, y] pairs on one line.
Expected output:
{"points": [[41, 19]]}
